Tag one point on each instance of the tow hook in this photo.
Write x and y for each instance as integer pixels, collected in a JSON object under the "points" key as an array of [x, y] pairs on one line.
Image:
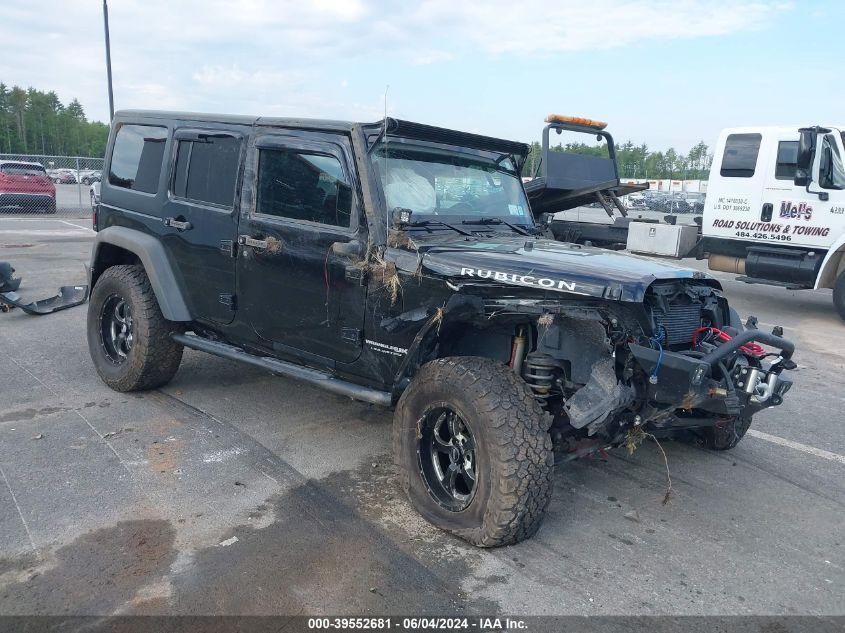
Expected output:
{"points": [[757, 384]]}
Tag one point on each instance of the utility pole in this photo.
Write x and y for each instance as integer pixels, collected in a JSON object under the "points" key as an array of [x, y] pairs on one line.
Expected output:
{"points": [[108, 58]]}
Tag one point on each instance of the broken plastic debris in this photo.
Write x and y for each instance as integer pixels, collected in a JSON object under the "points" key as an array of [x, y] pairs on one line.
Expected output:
{"points": [[633, 515], [228, 542], [67, 297]]}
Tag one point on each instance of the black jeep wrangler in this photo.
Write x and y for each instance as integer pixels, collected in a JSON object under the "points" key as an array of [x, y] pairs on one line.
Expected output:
{"points": [[400, 264]]}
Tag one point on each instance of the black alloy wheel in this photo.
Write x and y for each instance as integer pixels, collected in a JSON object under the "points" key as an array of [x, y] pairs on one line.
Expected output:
{"points": [[117, 329], [446, 455]]}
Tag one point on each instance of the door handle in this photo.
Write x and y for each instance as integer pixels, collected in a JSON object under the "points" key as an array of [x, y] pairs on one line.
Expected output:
{"points": [[179, 225], [246, 240], [766, 214]]}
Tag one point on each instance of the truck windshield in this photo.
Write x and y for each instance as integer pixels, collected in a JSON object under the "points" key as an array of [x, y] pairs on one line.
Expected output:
{"points": [[451, 185]]}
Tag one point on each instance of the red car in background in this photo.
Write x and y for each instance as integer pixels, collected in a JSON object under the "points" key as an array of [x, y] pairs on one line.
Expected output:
{"points": [[26, 186]]}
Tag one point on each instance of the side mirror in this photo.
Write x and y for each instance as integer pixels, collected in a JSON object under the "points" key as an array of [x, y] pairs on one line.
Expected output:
{"points": [[804, 160]]}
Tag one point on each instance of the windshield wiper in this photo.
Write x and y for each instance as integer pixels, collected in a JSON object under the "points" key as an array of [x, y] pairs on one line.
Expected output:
{"points": [[424, 223], [516, 228]]}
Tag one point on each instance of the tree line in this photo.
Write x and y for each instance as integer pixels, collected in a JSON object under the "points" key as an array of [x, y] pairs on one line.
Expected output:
{"points": [[36, 122], [638, 161]]}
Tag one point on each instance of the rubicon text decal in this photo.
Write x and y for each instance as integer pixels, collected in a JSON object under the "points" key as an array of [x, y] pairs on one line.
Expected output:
{"points": [[522, 280]]}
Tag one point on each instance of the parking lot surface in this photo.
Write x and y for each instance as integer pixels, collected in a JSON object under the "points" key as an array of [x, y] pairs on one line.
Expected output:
{"points": [[234, 492]]}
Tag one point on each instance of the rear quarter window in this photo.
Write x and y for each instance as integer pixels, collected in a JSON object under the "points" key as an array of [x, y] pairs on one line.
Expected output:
{"points": [[137, 157], [207, 169], [22, 169], [740, 157]]}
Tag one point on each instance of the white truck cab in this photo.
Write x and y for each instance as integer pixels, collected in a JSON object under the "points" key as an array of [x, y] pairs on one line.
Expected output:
{"points": [[775, 208]]}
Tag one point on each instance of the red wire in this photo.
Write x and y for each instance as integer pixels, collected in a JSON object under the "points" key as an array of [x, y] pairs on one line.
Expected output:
{"points": [[749, 348]]}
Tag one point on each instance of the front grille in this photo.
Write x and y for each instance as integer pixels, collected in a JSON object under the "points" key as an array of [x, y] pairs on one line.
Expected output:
{"points": [[680, 321]]}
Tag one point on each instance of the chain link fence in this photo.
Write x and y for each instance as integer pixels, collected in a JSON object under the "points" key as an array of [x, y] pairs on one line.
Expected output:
{"points": [[32, 184]]}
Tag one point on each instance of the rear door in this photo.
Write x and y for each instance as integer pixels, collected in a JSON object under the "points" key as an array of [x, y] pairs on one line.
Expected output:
{"points": [[300, 295], [201, 219]]}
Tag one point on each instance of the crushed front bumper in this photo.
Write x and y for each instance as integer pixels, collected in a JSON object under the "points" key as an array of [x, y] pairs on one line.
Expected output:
{"points": [[696, 389]]}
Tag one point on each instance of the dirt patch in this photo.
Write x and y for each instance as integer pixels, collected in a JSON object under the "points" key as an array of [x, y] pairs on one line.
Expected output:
{"points": [[96, 573], [320, 555], [30, 414], [163, 456]]}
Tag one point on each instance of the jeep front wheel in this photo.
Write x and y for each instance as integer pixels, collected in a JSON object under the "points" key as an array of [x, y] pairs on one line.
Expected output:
{"points": [[725, 434], [473, 450], [128, 338]]}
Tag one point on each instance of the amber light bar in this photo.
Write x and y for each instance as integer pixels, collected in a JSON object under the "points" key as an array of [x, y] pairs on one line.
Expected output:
{"points": [[576, 120]]}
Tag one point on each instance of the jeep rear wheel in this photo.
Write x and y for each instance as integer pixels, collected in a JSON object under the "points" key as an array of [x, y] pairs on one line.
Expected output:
{"points": [[473, 450], [128, 338]]}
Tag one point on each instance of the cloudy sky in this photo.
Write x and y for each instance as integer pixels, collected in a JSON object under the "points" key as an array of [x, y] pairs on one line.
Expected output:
{"points": [[662, 72]]}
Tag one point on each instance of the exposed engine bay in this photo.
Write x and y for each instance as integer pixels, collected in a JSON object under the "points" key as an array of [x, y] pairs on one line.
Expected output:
{"points": [[680, 361]]}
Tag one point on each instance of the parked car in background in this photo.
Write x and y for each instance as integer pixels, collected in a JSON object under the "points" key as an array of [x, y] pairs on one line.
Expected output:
{"points": [[94, 190], [90, 176], [669, 203], [654, 200], [63, 176], [27, 186], [676, 204], [696, 202], [636, 201]]}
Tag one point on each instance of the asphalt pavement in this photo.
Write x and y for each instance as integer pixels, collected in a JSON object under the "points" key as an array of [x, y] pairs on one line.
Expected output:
{"points": [[234, 492]]}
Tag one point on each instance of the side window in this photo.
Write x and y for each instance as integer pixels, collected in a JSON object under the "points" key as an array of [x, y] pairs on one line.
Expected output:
{"points": [[787, 160], [303, 186], [207, 169], [137, 157], [740, 157]]}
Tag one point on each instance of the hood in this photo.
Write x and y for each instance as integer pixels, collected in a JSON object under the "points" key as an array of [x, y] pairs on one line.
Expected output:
{"points": [[550, 266]]}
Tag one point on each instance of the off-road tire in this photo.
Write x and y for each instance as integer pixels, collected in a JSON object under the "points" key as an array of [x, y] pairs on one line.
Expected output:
{"points": [[839, 295], [514, 449], [725, 435], [154, 357]]}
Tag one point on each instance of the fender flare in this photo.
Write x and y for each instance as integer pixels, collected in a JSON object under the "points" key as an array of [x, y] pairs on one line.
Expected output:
{"points": [[156, 264], [832, 264]]}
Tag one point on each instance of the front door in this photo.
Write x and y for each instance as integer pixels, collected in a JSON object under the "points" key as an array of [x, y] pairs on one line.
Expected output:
{"points": [[300, 283], [794, 216]]}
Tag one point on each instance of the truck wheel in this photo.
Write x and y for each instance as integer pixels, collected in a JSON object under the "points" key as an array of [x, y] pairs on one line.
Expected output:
{"points": [[839, 295], [473, 450], [726, 434], [128, 338]]}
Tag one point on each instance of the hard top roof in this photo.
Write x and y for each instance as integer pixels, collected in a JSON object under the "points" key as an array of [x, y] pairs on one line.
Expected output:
{"points": [[396, 127]]}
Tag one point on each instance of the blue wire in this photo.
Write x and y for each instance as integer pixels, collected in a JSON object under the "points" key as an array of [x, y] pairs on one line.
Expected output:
{"points": [[658, 339]]}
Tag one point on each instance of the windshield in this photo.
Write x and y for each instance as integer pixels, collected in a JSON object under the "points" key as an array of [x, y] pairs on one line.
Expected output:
{"points": [[451, 185]]}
